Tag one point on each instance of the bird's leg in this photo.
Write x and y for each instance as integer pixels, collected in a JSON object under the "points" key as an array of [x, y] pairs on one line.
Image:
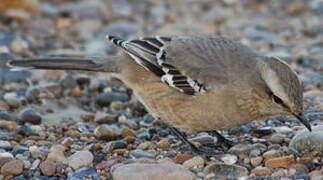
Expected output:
{"points": [[178, 134], [204, 151], [221, 139]]}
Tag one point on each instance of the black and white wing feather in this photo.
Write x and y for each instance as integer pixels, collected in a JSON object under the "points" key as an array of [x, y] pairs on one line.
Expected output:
{"points": [[150, 53]]}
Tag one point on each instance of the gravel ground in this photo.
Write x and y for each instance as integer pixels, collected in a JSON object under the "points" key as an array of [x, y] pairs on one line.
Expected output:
{"points": [[76, 125]]}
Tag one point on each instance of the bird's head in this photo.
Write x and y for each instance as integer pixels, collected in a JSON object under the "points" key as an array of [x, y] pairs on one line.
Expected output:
{"points": [[283, 89]]}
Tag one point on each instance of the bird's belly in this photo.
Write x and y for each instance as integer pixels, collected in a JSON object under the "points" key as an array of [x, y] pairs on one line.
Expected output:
{"points": [[206, 112]]}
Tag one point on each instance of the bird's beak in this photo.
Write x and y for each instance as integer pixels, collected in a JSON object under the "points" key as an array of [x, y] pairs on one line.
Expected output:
{"points": [[303, 120]]}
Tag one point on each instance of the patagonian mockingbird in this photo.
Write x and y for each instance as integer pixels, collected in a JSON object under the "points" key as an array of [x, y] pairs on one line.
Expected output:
{"points": [[195, 83]]}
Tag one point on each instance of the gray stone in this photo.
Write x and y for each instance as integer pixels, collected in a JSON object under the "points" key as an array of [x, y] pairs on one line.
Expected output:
{"points": [[80, 159], [221, 170], [162, 171], [306, 141]]}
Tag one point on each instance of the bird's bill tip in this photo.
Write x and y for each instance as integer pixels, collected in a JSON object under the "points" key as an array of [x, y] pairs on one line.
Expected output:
{"points": [[303, 120]]}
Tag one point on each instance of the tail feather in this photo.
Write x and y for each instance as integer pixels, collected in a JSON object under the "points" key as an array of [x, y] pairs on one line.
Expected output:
{"points": [[65, 63]]}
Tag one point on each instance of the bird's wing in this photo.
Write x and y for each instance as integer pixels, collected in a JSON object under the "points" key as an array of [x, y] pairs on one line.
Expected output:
{"points": [[185, 64]]}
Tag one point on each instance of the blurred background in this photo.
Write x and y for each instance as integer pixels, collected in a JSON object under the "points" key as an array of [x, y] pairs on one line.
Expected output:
{"points": [[41, 108]]}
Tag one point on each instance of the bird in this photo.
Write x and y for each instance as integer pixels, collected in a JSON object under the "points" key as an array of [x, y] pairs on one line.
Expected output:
{"points": [[195, 83]]}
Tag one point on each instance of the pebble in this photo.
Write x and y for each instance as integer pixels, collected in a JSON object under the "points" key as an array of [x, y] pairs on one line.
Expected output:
{"points": [[13, 167], [223, 171], [105, 99], [80, 159], [36, 152], [164, 143], [48, 168], [12, 99], [128, 132], [10, 125], [105, 118], [279, 162], [316, 175], [261, 171], [277, 138], [305, 141], [5, 157], [106, 165], [181, 158], [256, 161], [56, 153], [240, 149], [229, 159], [162, 171], [195, 162], [272, 154], [84, 173], [19, 150], [107, 132], [138, 153]]}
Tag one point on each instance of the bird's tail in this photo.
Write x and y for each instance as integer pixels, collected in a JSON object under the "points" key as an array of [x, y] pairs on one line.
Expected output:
{"points": [[65, 63]]}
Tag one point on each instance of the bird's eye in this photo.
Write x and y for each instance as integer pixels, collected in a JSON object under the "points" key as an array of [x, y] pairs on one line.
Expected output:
{"points": [[277, 100]]}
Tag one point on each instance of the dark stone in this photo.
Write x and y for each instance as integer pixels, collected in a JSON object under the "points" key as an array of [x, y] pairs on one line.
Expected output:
{"points": [[25, 131], [98, 157], [119, 144], [19, 150], [30, 116], [104, 99]]}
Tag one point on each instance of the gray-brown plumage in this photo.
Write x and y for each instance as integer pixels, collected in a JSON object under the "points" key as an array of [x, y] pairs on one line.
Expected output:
{"points": [[200, 83]]}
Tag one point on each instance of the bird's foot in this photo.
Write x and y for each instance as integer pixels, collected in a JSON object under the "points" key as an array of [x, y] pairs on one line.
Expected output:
{"points": [[202, 151]]}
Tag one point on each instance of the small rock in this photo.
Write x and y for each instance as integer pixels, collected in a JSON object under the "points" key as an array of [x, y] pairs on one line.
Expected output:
{"points": [[279, 162], [196, 161], [229, 159], [181, 158], [105, 118], [5, 157], [316, 175], [272, 154], [19, 150], [48, 168], [13, 167], [117, 106], [164, 143], [277, 138], [141, 154], [240, 149], [261, 171], [305, 141], [107, 132], [88, 117], [36, 152], [106, 98], [56, 153], [84, 173], [145, 145], [283, 130], [162, 171], [12, 99], [80, 159], [256, 161], [67, 142], [106, 165], [127, 132], [10, 125], [224, 171]]}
